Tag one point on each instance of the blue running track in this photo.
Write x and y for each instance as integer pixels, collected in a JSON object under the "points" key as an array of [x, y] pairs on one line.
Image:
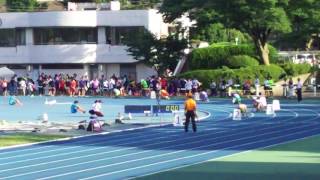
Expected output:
{"points": [[134, 153]]}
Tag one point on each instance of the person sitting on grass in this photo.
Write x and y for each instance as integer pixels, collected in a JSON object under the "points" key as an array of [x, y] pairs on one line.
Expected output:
{"points": [[14, 101], [76, 108]]}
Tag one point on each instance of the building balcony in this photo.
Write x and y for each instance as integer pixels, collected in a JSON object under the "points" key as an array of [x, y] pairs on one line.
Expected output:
{"points": [[71, 53]]}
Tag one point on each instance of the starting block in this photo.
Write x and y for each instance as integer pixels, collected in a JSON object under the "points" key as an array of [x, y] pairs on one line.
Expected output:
{"points": [[236, 116], [276, 105], [147, 113], [177, 121], [270, 110], [197, 96], [153, 95]]}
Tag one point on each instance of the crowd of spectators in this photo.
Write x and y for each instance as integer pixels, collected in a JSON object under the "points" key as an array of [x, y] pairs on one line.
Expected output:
{"points": [[75, 85]]}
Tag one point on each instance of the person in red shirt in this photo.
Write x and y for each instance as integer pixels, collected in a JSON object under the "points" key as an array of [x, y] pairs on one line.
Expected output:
{"points": [[73, 86]]}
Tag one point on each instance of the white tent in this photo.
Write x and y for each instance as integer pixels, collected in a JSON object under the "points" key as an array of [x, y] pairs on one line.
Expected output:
{"points": [[6, 72]]}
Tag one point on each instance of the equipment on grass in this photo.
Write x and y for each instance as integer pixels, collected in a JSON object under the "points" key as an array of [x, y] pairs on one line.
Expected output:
{"points": [[236, 116], [270, 110], [177, 121], [276, 105], [52, 102], [197, 96], [153, 95]]}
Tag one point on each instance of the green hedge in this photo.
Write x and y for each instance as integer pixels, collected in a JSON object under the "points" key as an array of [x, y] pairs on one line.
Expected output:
{"points": [[241, 61], [262, 71], [296, 69], [216, 55]]}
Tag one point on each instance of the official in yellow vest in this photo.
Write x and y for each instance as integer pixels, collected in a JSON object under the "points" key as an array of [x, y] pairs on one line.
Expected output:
{"points": [[190, 107]]}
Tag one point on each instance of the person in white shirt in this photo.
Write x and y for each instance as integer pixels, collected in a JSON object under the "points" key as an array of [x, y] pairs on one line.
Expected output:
{"points": [[106, 87], [96, 108], [188, 86], [23, 86]]}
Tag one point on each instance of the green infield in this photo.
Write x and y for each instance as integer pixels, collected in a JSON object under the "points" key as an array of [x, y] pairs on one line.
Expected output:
{"points": [[299, 160], [24, 138]]}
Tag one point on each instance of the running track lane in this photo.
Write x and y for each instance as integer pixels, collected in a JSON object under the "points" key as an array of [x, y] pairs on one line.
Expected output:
{"points": [[135, 153]]}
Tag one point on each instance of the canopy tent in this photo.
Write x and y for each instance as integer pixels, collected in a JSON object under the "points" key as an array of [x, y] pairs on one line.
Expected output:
{"points": [[6, 72]]}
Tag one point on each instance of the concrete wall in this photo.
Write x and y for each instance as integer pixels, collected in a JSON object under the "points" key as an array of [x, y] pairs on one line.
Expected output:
{"points": [[79, 18], [144, 71]]}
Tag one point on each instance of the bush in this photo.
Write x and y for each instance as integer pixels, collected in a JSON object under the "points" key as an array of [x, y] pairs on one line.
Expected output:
{"points": [[296, 69], [241, 61], [262, 71], [216, 55]]}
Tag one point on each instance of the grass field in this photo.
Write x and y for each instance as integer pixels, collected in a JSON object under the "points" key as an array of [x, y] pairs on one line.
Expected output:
{"points": [[24, 138], [299, 160]]}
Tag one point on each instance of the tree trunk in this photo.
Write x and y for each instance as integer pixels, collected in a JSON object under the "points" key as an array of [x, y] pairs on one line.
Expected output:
{"points": [[263, 51], [309, 44]]}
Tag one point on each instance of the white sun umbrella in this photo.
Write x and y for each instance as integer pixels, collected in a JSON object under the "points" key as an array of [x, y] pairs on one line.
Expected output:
{"points": [[6, 73]]}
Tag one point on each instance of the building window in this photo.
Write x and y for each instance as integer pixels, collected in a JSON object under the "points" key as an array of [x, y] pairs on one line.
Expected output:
{"points": [[118, 35], [12, 37], [128, 70], [45, 36], [62, 66], [20, 36]]}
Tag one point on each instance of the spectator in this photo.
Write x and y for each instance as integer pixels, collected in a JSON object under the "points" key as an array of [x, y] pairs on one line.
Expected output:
{"points": [[299, 90]]}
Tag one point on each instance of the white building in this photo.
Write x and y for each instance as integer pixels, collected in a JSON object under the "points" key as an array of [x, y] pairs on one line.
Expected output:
{"points": [[83, 42]]}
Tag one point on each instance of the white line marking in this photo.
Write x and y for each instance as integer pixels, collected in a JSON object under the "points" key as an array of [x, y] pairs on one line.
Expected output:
{"points": [[151, 156], [187, 157]]}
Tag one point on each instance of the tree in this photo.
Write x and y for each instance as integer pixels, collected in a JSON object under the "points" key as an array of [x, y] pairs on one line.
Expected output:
{"points": [[22, 5], [258, 18], [216, 32], [163, 52], [304, 15]]}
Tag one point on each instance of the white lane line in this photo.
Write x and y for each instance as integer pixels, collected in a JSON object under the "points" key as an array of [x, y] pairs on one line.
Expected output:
{"points": [[15, 162], [113, 133], [221, 157], [186, 157], [131, 136], [117, 150], [79, 157], [72, 138], [86, 150], [149, 157], [78, 137], [161, 155]]}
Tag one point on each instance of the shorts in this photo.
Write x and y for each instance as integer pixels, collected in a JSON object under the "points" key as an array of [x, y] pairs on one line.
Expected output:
{"points": [[92, 112]]}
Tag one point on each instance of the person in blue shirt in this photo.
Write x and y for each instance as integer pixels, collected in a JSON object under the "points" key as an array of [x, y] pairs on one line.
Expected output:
{"points": [[14, 101], [76, 108]]}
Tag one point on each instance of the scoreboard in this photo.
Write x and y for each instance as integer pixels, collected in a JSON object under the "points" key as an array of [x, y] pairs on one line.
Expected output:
{"points": [[154, 109], [136, 108], [165, 108]]}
